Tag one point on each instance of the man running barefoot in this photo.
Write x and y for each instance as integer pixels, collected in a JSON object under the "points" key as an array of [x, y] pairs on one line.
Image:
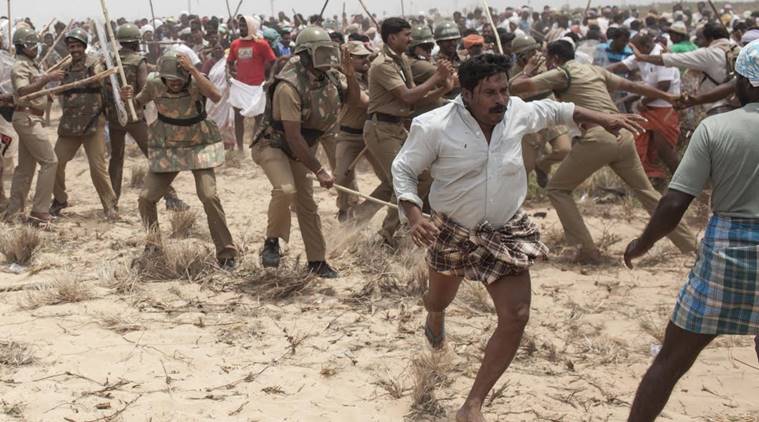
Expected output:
{"points": [[472, 146]]}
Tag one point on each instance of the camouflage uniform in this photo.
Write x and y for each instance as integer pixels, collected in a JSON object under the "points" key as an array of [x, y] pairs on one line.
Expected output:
{"points": [[132, 61], [83, 124], [33, 146], [183, 139], [296, 95]]}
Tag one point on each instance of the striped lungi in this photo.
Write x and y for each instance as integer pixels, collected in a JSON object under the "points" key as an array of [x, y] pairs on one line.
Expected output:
{"points": [[485, 253], [722, 292]]}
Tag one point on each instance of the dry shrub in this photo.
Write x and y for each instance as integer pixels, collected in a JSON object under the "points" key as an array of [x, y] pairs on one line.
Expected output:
{"points": [[119, 323], [393, 386], [19, 244], [137, 179], [328, 370], [653, 327], [604, 350], [281, 283], [178, 260], [14, 410], [477, 297], [234, 158], [182, 223], [607, 239], [123, 279], [15, 354], [429, 374], [60, 291]]}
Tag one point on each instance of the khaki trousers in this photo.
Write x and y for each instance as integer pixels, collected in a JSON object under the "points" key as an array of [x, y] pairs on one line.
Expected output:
{"points": [[384, 140], [349, 146], [539, 153], [596, 149], [138, 131], [290, 186], [94, 147], [156, 186], [33, 148]]}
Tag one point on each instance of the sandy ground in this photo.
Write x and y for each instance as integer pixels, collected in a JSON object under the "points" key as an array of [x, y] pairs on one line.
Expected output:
{"points": [[217, 348]]}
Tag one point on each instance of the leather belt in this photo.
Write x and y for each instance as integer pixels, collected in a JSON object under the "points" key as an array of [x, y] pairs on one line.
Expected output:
{"points": [[33, 111], [351, 130], [387, 118]]}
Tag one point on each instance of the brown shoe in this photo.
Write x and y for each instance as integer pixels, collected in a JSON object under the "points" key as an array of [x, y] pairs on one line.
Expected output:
{"points": [[40, 219]]}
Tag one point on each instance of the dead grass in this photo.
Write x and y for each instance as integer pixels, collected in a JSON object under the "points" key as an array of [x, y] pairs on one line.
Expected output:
{"points": [[393, 386], [123, 280], [118, 323], [14, 354], [182, 223], [137, 178], [184, 259], [19, 244], [234, 158], [13, 410], [60, 291], [476, 296], [279, 284], [653, 327], [429, 374]]}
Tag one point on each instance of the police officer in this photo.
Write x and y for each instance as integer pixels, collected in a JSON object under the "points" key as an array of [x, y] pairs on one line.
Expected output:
{"points": [[82, 123], [302, 106], [183, 139], [420, 53], [34, 143], [392, 98], [540, 150], [136, 72], [447, 37], [350, 139]]}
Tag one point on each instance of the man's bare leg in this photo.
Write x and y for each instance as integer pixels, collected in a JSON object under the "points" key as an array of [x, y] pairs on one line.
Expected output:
{"points": [[239, 128], [440, 293], [666, 152], [679, 351], [511, 297], [756, 346]]}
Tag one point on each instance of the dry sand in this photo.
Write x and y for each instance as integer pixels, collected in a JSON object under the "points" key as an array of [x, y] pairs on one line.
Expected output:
{"points": [[216, 349]]}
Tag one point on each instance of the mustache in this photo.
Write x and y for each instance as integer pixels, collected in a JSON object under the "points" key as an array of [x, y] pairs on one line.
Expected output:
{"points": [[499, 108]]}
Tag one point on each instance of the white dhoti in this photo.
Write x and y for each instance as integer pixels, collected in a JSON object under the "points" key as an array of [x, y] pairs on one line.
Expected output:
{"points": [[250, 99]]}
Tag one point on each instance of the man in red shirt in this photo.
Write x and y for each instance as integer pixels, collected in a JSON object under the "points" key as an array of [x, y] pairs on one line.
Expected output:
{"points": [[250, 58]]}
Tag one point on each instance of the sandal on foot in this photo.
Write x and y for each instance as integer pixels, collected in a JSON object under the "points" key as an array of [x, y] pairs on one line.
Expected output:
{"points": [[436, 341]]}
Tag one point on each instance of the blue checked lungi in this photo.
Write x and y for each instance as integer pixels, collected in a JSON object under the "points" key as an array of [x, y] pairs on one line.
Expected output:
{"points": [[722, 292]]}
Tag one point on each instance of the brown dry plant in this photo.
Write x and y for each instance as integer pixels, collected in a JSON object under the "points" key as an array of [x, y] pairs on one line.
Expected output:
{"points": [[234, 158], [118, 323], [58, 292], [14, 354], [137, 178], [476, 296], [178, 260], [429, 375], [279, 284], [19, 244], [182, 223]]}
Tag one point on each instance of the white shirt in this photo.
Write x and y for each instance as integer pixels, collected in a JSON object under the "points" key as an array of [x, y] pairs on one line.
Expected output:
{"points": [[708, 60], [183, 48], [653, 74], [473, 181]]}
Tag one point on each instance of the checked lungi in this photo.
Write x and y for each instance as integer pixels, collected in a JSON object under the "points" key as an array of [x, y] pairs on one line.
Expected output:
{"points": [[485, 254], [722, 292]]}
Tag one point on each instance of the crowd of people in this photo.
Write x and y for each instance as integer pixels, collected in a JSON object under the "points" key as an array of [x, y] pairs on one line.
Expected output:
{"points": [[454, 114]]}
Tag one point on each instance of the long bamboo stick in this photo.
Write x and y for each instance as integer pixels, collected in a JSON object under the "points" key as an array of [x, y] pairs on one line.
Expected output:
{"points": [[115, 48], [46, 27], [492, 24], [356, 160], [363, 6], [367, 197], [62, 62], [58, 89], [56, 41]]}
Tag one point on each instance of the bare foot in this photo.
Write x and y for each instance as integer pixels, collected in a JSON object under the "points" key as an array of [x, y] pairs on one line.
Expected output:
{"points": [[469, 413]]}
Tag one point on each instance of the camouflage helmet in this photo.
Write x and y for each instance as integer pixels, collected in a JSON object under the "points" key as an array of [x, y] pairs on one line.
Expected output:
{"points": [[26, 37], [523, 44], [78, 34], [128, 32], [323, 51], [169, 67], [421, 34], [447, 31]]}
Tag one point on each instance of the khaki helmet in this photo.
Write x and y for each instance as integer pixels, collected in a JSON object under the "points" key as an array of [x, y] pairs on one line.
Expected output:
{"points": [[316, 41], [26, 37], [447, 31], [128, 32], [80, 35], [421, 34], [523, 44], [169, 67]]}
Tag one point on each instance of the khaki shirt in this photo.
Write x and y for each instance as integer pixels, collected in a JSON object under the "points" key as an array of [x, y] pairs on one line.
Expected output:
{"points": [[583, 84], [23, 73], [388, 72], [286, 106], [421, 70], [352, 116]]}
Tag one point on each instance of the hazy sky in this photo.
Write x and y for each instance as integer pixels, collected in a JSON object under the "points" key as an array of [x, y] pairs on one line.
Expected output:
{"points": [[44, 10]]}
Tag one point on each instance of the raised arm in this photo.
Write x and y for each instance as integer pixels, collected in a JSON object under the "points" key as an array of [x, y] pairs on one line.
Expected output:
{"points": [[412, 96], [206, 87]]}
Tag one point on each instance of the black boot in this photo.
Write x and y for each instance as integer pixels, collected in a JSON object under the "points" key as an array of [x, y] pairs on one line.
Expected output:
{"points": [[175, 204], [57, 207], [227, 264], [322, 269], [271, 254]]}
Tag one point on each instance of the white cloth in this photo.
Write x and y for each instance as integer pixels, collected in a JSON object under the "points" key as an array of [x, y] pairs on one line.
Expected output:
{"points": [[250, 99], [184, 49], [473, 181], [220, 112], [652, 74], [709, 60]]}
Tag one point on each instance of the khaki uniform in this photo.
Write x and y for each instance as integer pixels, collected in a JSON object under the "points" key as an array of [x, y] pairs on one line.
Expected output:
{"points": [[421, 70], [83, 124], [588, 86], [384, 131], [182, 139], [33, 147], [138, 129], [297, 96], [456, 62], [539, 149], [350, 143]]}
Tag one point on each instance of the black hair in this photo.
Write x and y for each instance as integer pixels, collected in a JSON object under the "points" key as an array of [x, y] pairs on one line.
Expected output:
{"points": [[472, 71], [392, 26], [469, 31], [561, 49], [621, 32], [715, 31], [337, 37]]}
